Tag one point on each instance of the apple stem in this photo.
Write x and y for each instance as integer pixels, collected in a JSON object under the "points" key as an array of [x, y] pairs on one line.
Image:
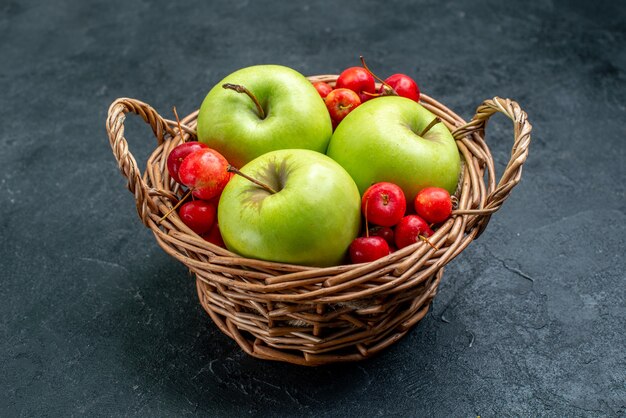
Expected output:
{"points": [[241, 89], [390, 89], [430, 125], [232, 169], [180, 128], [180, 202]]}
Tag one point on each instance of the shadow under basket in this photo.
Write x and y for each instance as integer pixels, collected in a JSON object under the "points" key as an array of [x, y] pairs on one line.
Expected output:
{"points": [[313, 316]]}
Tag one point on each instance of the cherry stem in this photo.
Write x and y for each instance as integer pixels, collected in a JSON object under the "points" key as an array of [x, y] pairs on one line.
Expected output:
{"points": [[180, 128], [232, 169], [430, 125], [180, 202], [376, 77], [427, 241], [241, 89], [372, 94]]}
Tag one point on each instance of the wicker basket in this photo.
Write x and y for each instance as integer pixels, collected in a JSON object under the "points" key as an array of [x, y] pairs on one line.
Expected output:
{"points": [[314, 316]]}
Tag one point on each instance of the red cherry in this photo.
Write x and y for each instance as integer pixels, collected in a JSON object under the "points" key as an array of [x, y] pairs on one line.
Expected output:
{"points": [[340, 102], [214, 236], [198, 215], [383, 204], [409, 229], [359, 80], [384, 232], [433, 204], [178, 154], [216, 199], [403, 85], [205, 173], [322, 88], [366, 249]]}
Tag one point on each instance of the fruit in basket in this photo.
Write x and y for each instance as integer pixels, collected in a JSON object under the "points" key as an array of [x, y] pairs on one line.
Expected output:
{"points": [[383, 204], [214, 236], [433, 204], [293, 206], [205, 173], [359, 80], [410, 230], [395, 85], [178, 154], [340, 102], [198, 215], [322, 88], [260, 109], [367, 249], [403, 86], [396, 140], [384, 232]]}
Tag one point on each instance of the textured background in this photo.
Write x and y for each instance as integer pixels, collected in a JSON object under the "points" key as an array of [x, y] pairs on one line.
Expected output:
{"points": [[95, 319]]}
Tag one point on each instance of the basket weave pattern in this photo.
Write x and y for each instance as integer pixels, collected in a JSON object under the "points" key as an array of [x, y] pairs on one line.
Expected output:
{"points": [[306, 315]]}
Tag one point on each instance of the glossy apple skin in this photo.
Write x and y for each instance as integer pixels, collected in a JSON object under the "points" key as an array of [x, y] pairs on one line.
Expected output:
{"points": [[377, 142], [311, 220], [296, 116], [404, 86]]}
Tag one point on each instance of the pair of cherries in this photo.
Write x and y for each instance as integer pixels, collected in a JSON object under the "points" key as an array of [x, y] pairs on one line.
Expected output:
{"points": [[205, 172], [384, 204]]}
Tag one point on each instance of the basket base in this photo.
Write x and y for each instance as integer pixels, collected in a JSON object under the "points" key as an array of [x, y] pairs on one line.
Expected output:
{"points": [[302, 334]]}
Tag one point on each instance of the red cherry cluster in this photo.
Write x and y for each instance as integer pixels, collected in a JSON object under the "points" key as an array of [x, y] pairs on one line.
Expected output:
{"points": [[205, 172], [357, 85], [384, 205]]}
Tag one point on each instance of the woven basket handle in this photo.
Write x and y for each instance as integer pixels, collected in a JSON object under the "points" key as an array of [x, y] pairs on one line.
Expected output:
{"points": [[126, 161], [521, 140]]}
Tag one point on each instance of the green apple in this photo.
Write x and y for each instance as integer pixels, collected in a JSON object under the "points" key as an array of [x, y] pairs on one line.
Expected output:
{"points": [[290, 114], [380, 141], [309, 218]]}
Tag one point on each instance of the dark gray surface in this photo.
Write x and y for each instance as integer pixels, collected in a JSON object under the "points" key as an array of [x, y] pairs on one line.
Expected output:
{"points": [[96, 320]]}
